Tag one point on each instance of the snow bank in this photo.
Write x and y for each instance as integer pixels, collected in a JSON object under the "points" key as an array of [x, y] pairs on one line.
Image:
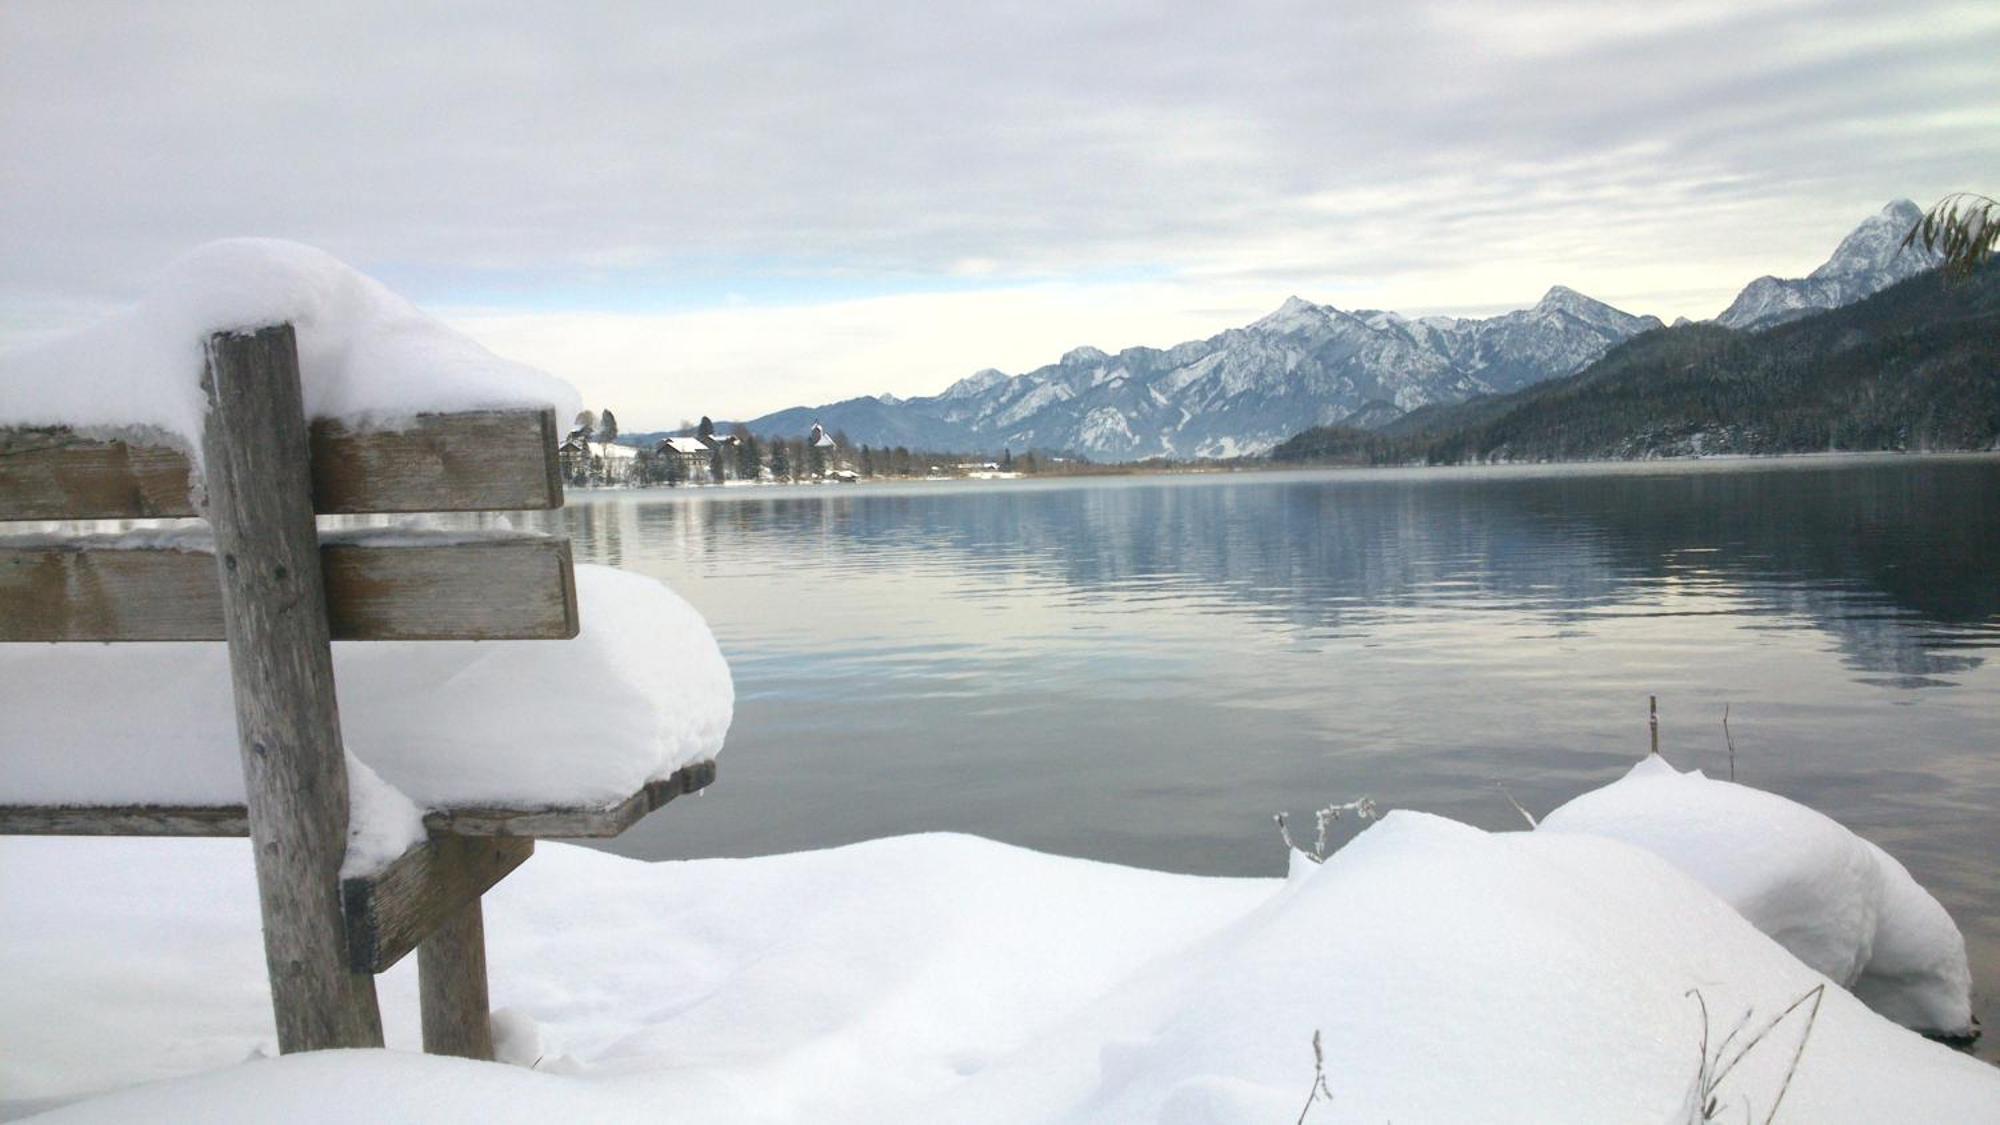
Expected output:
{"points": [[365, 354], [640, 692], [1839, 903], [1454, 975]]}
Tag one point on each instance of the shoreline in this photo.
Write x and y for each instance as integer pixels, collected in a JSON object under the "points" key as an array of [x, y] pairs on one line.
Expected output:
{"points": [[1265, 467]]}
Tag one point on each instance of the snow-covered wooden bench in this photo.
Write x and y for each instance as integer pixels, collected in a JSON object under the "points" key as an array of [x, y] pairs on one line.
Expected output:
{"points": [[263, 578]]}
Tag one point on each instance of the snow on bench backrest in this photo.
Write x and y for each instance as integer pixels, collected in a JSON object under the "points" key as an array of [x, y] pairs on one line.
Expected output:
{"points": [[402, 415]]}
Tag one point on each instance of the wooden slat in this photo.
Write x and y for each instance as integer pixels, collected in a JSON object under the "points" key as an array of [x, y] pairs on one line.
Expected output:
{"points": [[229, 820], [477, 461], [487, 460], [571, 823], [124, 820], [390, 913], [51, 474], [484, 589]]}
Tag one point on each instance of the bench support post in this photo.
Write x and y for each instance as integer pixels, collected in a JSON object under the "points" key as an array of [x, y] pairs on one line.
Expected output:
{"points": [[259, 485], [451, 976]]}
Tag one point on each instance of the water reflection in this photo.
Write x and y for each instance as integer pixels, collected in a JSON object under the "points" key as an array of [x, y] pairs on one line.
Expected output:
{"points": [[1893, 561]]}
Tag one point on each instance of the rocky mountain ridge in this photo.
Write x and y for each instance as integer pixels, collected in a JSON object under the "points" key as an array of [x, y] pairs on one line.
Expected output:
{"points": [[1870, 259]]}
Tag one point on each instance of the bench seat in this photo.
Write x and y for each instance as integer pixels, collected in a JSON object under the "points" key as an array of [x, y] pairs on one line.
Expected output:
{"points": [[573, 822]]}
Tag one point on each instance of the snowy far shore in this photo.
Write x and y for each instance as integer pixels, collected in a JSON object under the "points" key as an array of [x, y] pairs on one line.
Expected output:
{"points": [[1451, 974]]}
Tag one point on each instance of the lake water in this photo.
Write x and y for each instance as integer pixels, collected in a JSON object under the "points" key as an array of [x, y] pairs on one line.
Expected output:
{"points": [[1144, 669]]}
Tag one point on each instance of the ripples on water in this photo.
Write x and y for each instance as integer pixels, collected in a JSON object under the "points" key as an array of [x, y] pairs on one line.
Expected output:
{"points": [[1144, 669]]}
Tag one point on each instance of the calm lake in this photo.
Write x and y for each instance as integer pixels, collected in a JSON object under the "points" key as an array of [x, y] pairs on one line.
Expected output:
{"points": [[1144, 669]]}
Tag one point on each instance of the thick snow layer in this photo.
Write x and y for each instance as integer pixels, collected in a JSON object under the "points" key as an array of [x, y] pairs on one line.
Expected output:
{"points": [[382, 823], [640, 692], [1454, 975], [1841, 904], [365, 354]]}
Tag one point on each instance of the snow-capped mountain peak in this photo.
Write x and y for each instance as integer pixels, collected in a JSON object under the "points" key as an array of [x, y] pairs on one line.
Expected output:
{"points": [[1877, 244], [1871, 258], [975, 383], [1296, 313], [1564, 299]]}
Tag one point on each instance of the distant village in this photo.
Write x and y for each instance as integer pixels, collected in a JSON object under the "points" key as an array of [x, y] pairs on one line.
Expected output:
{"points": [[594, 456]]}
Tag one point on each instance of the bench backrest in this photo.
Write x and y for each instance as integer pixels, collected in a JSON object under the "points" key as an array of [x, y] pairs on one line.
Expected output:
{"points": [[278, 593], [129, 588]]}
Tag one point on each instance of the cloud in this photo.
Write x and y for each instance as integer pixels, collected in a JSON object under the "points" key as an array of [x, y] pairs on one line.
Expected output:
{"points": [[649, 164]]}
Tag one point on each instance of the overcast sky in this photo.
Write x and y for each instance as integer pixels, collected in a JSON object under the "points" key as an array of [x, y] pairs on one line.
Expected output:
{"points": [[728, 208]]}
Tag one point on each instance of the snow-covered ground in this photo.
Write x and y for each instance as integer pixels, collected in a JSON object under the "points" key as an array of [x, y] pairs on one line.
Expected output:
{"points": [[1839, 903], [1452, 974]]}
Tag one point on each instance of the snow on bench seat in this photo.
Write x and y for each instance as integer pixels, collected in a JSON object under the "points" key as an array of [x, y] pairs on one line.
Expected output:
{"points": [[639, 694]]}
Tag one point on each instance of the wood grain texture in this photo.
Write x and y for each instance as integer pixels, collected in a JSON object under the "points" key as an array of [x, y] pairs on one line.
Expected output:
{"points": [[488, 589], [474, 461], [451, 986], [597, 822], [73, 592], [482, 460], [124, 820], [51, 474], [390, 913], [281, 668]]}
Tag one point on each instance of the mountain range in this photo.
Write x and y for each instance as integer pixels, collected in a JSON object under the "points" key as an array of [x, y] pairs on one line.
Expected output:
{"points": [[1247, 389], [1915, 366]]}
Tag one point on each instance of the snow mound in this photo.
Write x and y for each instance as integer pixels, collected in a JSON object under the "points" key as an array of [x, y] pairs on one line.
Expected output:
{"points": [[640, 692], [1457, 975], [365, 354], [1839, 903], [1454, 975]]}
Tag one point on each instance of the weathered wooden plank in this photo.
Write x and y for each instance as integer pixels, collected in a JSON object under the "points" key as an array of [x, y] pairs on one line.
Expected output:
{"points": [[474, 461], [390, 913], [570, 823], [451, 984], [486, 460], [52, 474], [76, 592], [231, 820], [124, 820], [484, 589], [281, 668]]}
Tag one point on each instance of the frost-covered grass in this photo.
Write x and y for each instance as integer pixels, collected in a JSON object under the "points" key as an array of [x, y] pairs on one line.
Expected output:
{"points": [[1452, 975]]}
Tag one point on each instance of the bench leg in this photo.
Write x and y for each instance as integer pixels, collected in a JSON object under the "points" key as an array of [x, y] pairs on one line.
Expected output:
{"points": [[451, 975]]}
